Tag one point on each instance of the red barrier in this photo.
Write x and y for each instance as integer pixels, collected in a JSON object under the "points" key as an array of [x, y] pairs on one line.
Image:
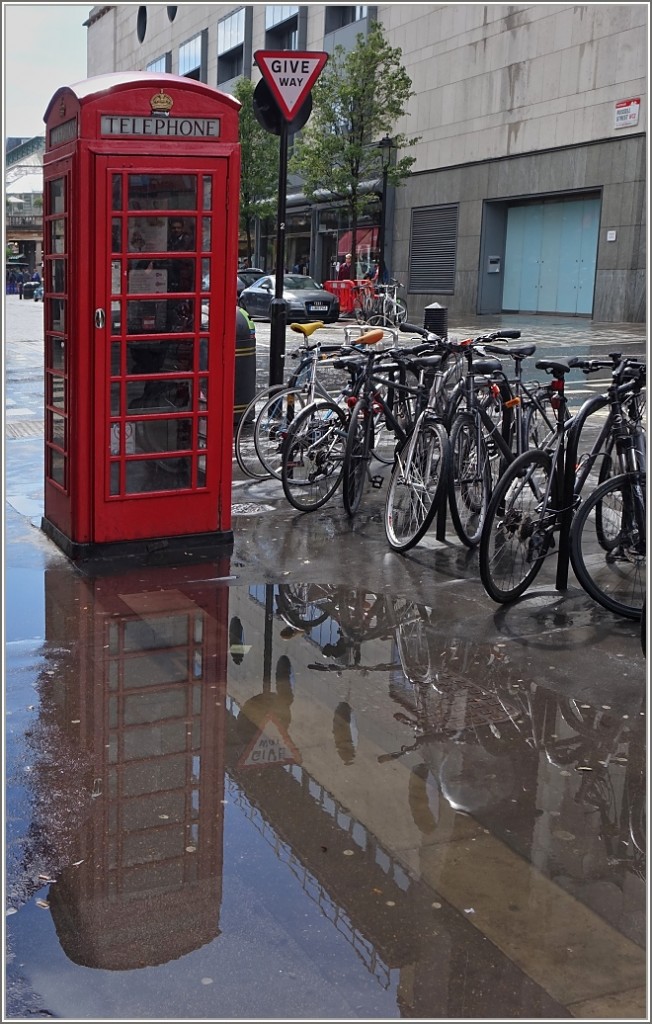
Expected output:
{"points": [[344, 292], [348, 291]]}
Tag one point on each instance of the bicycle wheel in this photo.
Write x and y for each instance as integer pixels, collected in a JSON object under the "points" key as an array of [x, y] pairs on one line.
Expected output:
{"points": [[540, 421], [517, 530], [493, 399], [271, 427], [357, 456], [470, 479], [401, 311], [404, 408], [313, 455], [416, 485], [303, 605], [244, 443], [379, 320], [607, 544]]}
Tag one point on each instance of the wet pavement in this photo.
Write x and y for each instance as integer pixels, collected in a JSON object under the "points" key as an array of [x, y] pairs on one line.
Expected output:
{"points": [[313, 778]]}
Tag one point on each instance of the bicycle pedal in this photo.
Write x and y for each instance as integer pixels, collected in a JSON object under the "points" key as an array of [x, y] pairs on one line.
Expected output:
{"points": [[377, 481]]}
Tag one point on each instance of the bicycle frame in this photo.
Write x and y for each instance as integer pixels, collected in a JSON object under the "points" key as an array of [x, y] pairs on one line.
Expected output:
{"points": [[577, 473]]}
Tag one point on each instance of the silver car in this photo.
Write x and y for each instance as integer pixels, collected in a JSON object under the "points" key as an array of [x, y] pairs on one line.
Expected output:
{"points": [[306, 300]]}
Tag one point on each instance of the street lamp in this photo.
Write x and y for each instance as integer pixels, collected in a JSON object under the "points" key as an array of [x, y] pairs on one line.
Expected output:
{"points": [[385, 146]]}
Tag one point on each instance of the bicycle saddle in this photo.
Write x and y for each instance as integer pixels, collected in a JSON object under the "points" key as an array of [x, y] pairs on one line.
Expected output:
{"points": [[371, 337], [307, 329], [520, 352]]}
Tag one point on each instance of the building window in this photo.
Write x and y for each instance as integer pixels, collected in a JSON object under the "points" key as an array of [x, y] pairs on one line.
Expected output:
{"points": [[230, 32], [160, 64], [230, 46], [433, 249], [338, 17], [141, 23], [190, 59], [282, 27], [277, 13]]}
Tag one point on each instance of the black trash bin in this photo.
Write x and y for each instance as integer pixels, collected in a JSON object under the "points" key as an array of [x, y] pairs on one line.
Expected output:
{"points": [[435, 319], [245, 363], [28, 289]]}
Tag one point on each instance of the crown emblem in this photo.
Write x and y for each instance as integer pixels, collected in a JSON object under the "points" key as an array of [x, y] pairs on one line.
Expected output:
{"points": [[161, 103]]}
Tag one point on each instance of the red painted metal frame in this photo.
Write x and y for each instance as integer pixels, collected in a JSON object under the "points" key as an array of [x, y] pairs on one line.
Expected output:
{"points": [[81, 508]]}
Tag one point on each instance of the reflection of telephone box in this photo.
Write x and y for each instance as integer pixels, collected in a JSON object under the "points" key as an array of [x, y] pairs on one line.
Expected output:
{"points": [[141, 198], [139, 701]]}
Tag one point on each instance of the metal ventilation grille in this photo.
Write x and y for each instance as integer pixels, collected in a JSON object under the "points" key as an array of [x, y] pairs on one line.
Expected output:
{"points": [[433, 249]]}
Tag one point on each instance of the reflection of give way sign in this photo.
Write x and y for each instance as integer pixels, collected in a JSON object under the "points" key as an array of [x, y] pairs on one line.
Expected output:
{"points": [[270, 745], [290, 75]]}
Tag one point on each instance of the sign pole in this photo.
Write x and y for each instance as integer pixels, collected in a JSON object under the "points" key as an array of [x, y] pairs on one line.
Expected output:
{"points": [[290, 75], [278, 306]]}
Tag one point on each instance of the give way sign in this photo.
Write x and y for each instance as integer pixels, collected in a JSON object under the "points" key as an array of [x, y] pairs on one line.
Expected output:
{"points": [[290, 75]]}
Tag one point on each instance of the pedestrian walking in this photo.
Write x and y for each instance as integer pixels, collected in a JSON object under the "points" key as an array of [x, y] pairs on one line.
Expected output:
{"points": [[345, 273]]}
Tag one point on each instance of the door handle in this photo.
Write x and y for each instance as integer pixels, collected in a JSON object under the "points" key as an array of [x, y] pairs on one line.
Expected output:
{"points": [[100, 318]]}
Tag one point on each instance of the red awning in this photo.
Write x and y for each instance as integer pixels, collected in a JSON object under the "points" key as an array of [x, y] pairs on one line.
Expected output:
{"points": [[365, 238]]}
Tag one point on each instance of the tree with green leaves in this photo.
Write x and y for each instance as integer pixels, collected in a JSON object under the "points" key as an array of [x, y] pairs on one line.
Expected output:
{"points": [[357, 99], [259, 161]]}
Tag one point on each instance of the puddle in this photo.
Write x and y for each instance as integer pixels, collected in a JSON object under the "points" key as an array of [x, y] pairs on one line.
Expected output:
{"points": [[308, 801]]}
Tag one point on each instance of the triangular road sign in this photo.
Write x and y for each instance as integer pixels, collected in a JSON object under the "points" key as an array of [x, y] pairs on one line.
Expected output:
{"points": [[290, 75], [271, 745]]}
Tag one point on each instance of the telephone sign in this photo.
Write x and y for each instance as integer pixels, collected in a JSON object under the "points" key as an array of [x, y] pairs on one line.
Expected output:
{"points": [[290, 75]]}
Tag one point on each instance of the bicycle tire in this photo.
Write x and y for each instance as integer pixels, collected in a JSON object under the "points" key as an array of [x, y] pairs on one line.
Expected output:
{"points": [[401, 311], [299, 604], [417, 485], [449, 396], [404, 409], [379, 320], [244, 444], [540, 428], [470, 479], [516, 534], [271, 427], [614, 576], [357, 456], [494, 403], [313, 455]]}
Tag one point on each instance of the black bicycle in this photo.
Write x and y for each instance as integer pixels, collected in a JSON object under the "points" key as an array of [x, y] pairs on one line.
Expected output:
{"points": [[538, 496]]}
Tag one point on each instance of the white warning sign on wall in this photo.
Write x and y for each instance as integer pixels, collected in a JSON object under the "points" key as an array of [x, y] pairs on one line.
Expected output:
{"points": [[271, 745]]}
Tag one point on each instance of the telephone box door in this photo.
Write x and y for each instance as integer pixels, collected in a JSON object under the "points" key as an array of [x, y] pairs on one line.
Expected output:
{"points": [[163, 377]]}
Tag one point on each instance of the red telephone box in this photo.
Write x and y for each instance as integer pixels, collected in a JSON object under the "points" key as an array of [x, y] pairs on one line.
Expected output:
{"points": [[141, 199]]}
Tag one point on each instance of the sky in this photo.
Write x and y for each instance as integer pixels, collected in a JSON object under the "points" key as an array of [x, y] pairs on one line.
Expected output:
{"points": [[44, 47]]}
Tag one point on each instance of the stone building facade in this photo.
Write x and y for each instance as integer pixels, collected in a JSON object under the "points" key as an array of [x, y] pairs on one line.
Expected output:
{"points": [[528, 190]]}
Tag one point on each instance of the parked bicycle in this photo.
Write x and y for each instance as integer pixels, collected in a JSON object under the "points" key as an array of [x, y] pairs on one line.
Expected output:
{"points": [[315, 449], [420, 473], [264, 423], [537, 497], [385, 394], [478, 436], [388, 309]]}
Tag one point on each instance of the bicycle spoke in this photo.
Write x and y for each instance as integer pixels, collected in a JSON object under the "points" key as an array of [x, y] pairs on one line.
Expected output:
{"points": [[518, 529], [608, 545]]}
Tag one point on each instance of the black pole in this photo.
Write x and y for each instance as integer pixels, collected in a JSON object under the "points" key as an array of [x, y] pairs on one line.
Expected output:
{"points": [[267, 648], [381, 242], [278, 306]]}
